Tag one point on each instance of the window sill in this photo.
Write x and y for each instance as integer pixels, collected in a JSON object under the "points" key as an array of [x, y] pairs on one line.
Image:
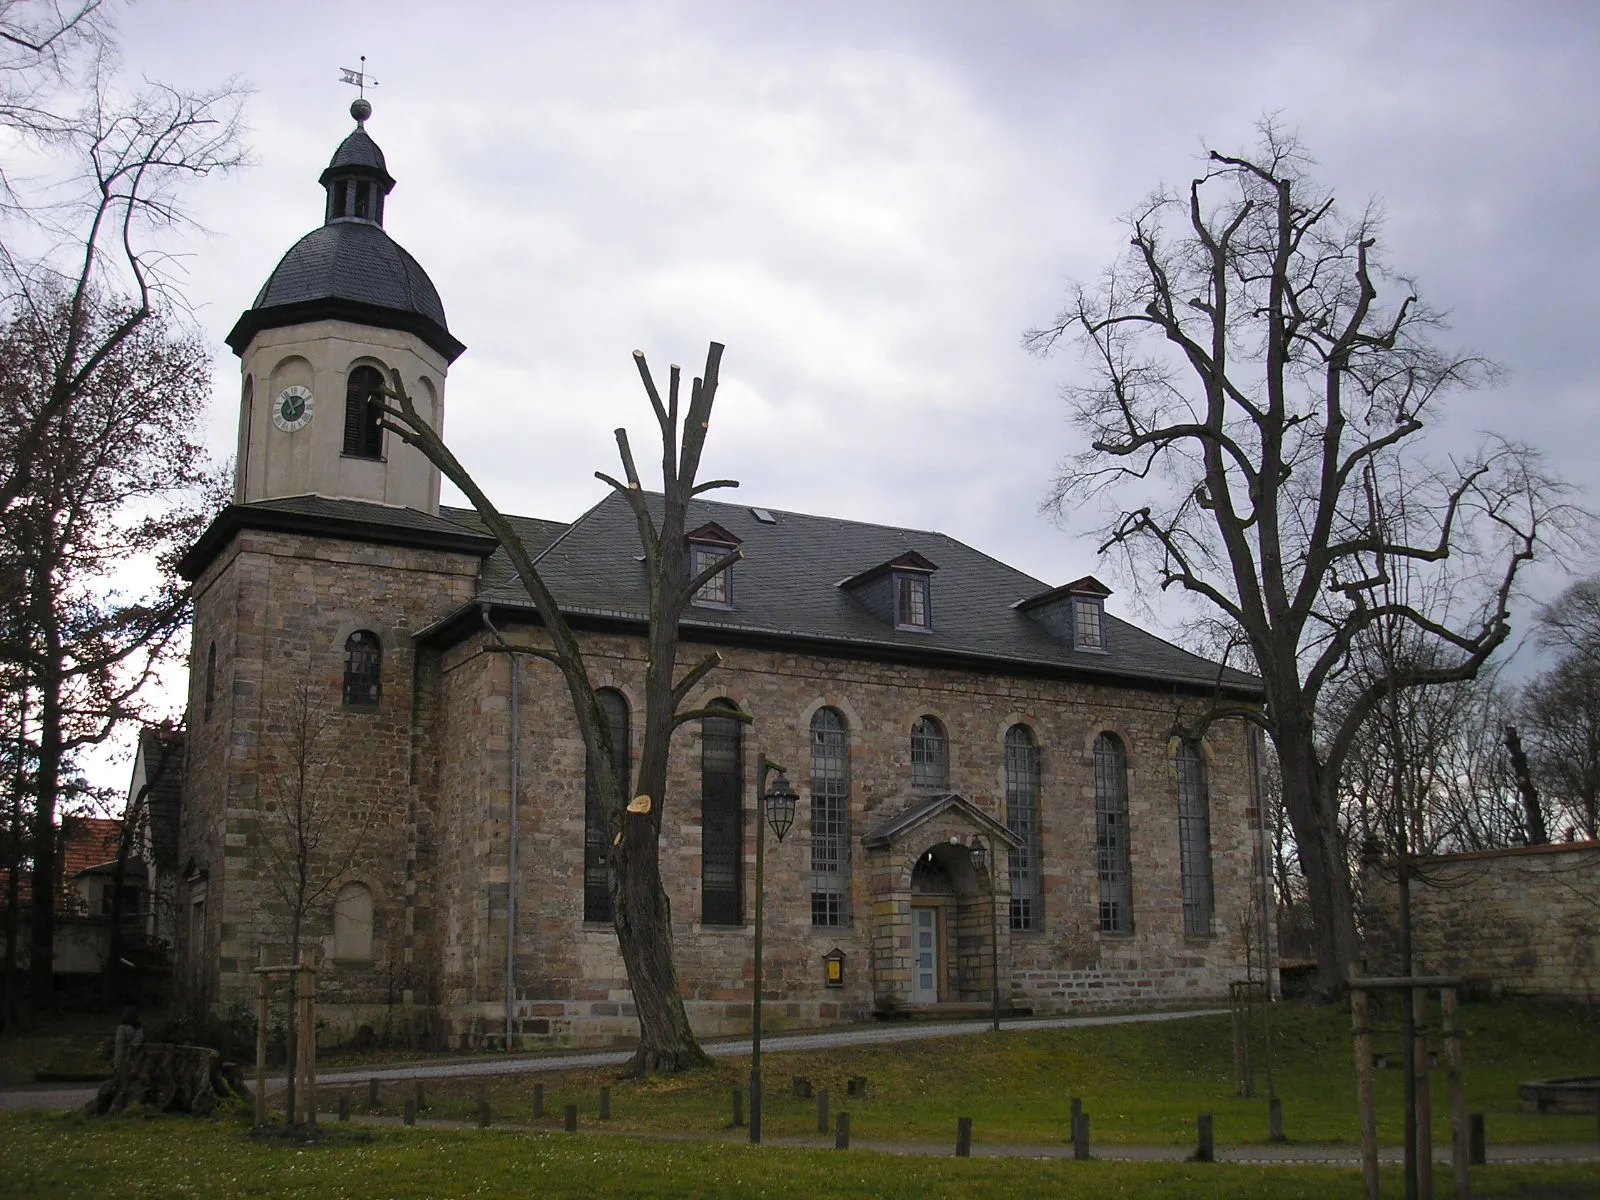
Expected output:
{"points": [[706, 927], [379, 458], [1117, 935]]}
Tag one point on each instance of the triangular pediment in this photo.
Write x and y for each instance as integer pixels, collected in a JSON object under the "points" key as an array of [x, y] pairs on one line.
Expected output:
{"points": [[921, 809]]}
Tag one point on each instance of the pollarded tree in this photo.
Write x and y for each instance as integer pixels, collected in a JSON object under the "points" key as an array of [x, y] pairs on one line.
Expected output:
{"points": [[641, 913], [1256, 378]]}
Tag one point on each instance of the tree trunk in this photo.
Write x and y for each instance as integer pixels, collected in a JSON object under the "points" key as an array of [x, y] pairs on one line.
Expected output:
{"points": [[1310, 800], [165, 1077], [41, 951]]}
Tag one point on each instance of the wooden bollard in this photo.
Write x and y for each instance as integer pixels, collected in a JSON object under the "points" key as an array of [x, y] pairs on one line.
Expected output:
{"points": [[802, 1087], [1477, 1147], [572, 1118], [538, 1099], [372, 1094], [822, 1110], [1080, 1136], [482, 1105], [421, 1097], [856, 1087], [411, 1112], [344, 1106], [841, 1136], [1205, 1148], [1077, 1111], [963, 1137], [1275, 1120], [737, 1096], [605, 1104]]}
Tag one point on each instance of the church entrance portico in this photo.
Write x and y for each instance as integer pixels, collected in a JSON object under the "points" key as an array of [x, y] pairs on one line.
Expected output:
{"points": [[937, 936]]}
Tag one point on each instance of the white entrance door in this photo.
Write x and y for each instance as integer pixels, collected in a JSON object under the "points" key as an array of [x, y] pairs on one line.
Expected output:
{"points": [[925, 959]]}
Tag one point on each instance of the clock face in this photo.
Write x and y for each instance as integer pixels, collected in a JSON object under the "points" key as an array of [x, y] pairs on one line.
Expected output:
{"points": [[292, 410]]}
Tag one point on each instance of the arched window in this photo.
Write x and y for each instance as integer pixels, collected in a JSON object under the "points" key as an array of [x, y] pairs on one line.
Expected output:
{"points": [[363, 409], [1111, 834], [211, 679], [352, 923], [830, 818], [721, 818], [930, 758], [1022, 818], [597, 833], [363, 669], [1194, 838]]}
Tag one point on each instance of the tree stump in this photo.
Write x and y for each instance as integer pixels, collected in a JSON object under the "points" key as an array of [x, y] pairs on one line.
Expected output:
{"points": [[165, 1077]]}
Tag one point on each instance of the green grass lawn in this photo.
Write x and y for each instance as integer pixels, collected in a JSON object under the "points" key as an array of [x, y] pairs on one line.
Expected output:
{"points": [[49, 1156], [1141, 1083]]}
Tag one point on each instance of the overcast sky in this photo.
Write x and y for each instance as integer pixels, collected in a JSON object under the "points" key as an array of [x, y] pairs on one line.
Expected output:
{"points": [[869, 202]]}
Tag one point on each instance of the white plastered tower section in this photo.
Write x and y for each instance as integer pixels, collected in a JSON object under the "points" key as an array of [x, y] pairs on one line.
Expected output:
{"points": [[345, 296]]}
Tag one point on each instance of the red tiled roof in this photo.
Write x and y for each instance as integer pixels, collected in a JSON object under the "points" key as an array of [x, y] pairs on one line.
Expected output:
{"points": [[88, 842]]}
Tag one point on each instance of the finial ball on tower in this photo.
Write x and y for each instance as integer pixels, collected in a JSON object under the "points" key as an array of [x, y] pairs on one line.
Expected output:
{"points": [[361, 109]]}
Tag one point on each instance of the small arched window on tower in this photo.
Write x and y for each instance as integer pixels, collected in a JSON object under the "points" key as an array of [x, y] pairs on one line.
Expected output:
{"points": [[211, 679], [363, 409], [363, 669]]}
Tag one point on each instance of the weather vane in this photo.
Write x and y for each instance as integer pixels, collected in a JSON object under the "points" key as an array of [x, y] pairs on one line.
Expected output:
{"points": [[359, 79]]}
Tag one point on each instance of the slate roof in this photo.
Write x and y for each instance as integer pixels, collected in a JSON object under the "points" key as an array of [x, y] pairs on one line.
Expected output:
{"points": [[358, 150], [164, 750], [786, 590]]}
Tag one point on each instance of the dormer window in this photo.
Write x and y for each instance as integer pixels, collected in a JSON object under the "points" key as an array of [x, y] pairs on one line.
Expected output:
{"points": [[1088, 623], [911, 608], [899, 592], [707, 546], [1074, 613]]}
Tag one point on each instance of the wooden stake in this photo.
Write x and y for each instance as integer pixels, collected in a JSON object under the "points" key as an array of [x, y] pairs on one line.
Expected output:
{"points": [[1206, 1148], [262, 988], [963, 1137], [1361, 1027], [1420, 1062], [841, 1138], [1460, 1151]]}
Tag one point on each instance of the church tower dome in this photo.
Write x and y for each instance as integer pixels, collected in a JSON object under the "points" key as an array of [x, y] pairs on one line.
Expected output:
{"points": [[344, 306]]}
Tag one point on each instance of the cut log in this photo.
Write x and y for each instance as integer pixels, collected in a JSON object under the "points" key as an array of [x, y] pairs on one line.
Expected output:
{"points": [[166, 1077]]}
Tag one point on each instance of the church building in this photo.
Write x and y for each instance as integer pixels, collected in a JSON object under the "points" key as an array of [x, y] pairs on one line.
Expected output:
{"points": [[1000, 784]]}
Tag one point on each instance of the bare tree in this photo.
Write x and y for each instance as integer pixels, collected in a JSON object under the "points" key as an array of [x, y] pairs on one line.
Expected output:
{"points": [[1560, 714], [308, 835], [641, 911], [1249, 388]]}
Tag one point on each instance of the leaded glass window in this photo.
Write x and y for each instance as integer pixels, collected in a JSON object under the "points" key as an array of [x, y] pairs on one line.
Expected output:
{"points": [[721, 818], [1194, 839], [1088, 624], [930, 762], [716, 592], [1111, 834], [363, 669], [830, 818], [1022, 818], [911, 608], [597, 832]]}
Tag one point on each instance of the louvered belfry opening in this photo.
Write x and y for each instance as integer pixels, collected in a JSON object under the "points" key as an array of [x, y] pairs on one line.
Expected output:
{"points": [[363, 410]]}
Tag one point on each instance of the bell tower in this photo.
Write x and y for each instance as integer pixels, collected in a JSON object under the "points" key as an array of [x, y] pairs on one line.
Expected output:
{"points": [[344, 307]]}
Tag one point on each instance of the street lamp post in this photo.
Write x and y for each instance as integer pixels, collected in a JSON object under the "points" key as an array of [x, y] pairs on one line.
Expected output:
{"points": [[776, 806], [982, 859]]}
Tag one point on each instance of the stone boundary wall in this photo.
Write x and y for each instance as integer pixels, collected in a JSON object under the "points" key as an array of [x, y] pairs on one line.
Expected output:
{"points": [[1523, 921]]}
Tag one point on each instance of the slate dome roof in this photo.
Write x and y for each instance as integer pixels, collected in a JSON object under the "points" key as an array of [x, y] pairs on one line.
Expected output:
{"points": [[350, 269]]}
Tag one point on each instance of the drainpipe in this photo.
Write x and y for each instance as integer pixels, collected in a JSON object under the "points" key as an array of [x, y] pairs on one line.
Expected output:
{"points": [[511, 840]]}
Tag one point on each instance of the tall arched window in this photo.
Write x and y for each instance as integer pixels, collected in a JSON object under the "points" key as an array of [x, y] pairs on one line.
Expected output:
{"points": [[211, 679], [721, 818], [352, 923], [597, 833], [1194, 838], [930, 754], [830, 818], [363, 669], [1022, 818], [363, 408], [1111, 834]]}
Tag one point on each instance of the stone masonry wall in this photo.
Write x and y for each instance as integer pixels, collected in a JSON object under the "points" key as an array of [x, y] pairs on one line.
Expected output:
{"points": [[1523, 921], [570, 983], [279, 608]]}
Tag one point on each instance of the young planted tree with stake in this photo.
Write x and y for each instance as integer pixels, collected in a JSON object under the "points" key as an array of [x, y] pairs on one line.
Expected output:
{"points": [[640, 909]]}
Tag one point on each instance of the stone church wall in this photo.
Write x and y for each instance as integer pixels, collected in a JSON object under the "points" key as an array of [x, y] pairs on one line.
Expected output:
{"points": [[279, 608], [1522, 921], [571, 986]]}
